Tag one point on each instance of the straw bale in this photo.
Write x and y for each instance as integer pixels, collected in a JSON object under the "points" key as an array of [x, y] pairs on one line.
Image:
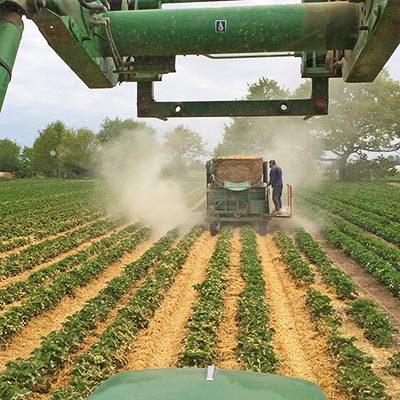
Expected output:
{"points": [[6, 175], [238, 168]]}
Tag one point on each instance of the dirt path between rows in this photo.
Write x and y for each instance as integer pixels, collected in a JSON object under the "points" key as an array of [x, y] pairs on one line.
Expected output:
{"points": [[302, 351], [30, 336], [227, 332], [158, 345]]}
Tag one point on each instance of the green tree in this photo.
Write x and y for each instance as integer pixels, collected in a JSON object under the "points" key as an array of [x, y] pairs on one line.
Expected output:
{"points": [[361, 168], [9, 156], [112, 129], [394, 158], [77, 150], [362, 118], [47, 150], [25, 163], [184, 146]]}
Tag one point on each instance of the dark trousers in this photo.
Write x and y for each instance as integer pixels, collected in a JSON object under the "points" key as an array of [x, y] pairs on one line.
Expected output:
{"points": [[276, 196]]}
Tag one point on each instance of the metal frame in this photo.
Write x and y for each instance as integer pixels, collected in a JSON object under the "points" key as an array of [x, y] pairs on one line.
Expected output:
{"points": [[138, 41], [317, 104]]}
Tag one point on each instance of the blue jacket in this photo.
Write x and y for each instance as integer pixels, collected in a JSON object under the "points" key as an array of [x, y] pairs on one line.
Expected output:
{"points": [[275, 176]]}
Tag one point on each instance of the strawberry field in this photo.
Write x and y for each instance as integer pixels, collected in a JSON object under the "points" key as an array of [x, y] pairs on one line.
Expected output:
{"points": [[84, 295]]}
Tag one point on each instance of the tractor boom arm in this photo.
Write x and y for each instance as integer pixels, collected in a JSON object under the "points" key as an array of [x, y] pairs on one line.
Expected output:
{"points": [[109, 41]]}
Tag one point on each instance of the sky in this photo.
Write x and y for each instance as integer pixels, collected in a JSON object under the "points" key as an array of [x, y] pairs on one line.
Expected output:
{"points": [[44, 89]]}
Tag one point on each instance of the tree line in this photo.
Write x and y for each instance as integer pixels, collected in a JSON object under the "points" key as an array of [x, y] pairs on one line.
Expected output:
{"points": [[62, 152], [363, 119]]}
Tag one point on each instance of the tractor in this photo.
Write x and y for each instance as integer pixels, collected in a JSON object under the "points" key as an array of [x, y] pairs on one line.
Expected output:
{"points": [[204, 383]]}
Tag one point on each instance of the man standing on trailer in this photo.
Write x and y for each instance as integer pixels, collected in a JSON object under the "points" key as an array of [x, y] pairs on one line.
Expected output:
{"points": [[275, 180]]}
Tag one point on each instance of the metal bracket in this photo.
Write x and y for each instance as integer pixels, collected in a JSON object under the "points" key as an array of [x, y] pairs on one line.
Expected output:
{"points": [[317, 104], [379, 36]]}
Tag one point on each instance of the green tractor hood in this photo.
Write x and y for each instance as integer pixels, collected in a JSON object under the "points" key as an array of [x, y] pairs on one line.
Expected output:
{"points": [[204, 384]]}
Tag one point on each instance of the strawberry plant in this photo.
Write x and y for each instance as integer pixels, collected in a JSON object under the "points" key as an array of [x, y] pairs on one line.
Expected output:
{"points": [[394, 364], [46, 298], [355, 372], [321, 310], [19, 289], [200, 347], [344, 286], [377, 327], [380, 269], [254, 338], [299, 269]]}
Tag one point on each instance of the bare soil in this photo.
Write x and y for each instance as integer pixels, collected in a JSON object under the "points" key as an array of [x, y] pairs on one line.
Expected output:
{"points": [[302, 351], [228, 331], [158, 346]]}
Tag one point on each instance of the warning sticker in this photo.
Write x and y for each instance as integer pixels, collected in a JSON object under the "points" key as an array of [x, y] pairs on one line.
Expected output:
{"points": [[220, 25]]}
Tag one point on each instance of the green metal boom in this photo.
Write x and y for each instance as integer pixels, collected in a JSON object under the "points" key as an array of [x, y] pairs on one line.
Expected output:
{"points": [[110, 41]]}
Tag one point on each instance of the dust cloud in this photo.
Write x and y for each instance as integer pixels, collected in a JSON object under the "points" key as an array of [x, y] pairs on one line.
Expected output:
{"points": [[298, 153], [132, 167]]}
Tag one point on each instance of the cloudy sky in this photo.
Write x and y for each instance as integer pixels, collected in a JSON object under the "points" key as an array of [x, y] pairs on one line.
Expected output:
{"points": [[44, 89]]}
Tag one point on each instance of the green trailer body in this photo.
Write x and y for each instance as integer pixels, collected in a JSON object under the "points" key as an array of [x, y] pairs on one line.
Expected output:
{"points": [[204, 384], [231, 205]]}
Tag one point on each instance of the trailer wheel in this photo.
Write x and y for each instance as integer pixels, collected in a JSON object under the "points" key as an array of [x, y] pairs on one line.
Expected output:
{"points": [[213, 228], [262, 229]]}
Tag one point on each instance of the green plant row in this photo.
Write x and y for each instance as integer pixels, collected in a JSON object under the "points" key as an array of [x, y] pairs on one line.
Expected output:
{"points": [[13, 243], [377, 327], [370, 243], [36, 254], [381, 270], [28, 191], [106, 357], [47, 297], [385, 197], [254, 347], [299, 269], [394, 364], [201, 340], [390, 254], [344, 286], [354, 371], [24, 376], [42, 222], [381, 226], [20, 289], [322, 313]]}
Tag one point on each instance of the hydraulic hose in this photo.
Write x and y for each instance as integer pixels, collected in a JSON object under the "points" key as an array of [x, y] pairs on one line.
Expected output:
{"points": [[96, 7], [11, 28]]}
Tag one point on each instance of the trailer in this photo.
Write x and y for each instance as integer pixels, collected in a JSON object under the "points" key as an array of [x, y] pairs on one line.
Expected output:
{"points": [[238, 193]]}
